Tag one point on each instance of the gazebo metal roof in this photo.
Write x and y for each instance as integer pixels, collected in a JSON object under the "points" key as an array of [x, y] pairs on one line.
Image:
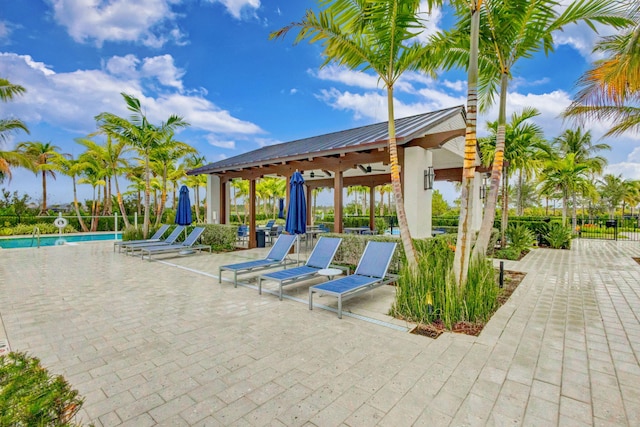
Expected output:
{"points": [[346, 141]]}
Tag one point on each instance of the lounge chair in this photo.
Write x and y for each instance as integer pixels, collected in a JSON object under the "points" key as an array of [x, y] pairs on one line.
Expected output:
{"points": [[370, 273], [320, 258], [155, 238], [276, 257], [189, 245], [170, 240]]}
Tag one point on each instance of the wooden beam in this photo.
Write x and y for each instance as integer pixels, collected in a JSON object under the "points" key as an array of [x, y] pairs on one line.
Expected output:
{"points": [[436, 140], [223, 203]]}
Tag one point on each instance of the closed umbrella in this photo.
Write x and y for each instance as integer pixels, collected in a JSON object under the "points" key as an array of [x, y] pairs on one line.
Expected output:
{"points": [[183, 214], [281, 208], [297, 212]]}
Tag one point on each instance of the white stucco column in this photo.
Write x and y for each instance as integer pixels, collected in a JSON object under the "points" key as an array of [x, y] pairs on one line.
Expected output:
{"points": [[478, 203], [213, 199], [417, 200]]}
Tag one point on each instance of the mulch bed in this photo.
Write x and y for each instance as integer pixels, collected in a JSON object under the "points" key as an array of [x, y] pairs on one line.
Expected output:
{"points": [[433, 330]]}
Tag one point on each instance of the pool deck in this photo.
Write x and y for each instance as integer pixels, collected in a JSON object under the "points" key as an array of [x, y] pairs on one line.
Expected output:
{"points": [[163, 343]]}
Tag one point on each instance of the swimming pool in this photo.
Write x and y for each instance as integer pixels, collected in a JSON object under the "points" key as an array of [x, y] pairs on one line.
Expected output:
{"points": [[54, 240]]}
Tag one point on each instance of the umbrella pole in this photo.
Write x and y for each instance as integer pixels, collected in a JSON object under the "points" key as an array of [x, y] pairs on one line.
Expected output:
{"points": [[298, 247]]}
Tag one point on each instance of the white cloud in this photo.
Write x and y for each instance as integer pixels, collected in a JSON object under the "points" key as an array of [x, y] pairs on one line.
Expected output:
{"points": [[238, 8], [293, 91], [5, 30], [163, 68], [216, 142], [431, 21], [458, 85], [118, 20], [335, 73], [72, 100]]}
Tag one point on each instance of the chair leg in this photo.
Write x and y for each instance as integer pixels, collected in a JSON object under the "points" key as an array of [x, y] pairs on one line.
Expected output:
{"points": [[235, 279], [339, 306], [259, 285], [280, 291], [310, 299], [219, 275]]}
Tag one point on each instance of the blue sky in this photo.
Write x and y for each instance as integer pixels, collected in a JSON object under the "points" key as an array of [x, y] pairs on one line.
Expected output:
{"points": [[211, 62]]}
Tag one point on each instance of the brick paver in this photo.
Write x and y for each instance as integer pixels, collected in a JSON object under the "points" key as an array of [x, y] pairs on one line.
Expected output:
{"points": [[148, 343]]}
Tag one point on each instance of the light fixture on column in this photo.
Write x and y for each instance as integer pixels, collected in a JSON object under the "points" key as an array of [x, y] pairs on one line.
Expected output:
{"points": [[429, 177]]}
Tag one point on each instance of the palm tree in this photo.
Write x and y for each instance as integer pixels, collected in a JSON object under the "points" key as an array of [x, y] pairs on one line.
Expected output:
{"points": [[382, 190], [165, 154], [72, 168], [39, 154], [567, 176], [9, 126], [93, 173], [370, 35], [612, 192], [196, 181], [631, 194], [240, 189], [142, 135], [510, 31], [579, 143], [610, 90], [272, 189], [112, 155], [524, 144]]}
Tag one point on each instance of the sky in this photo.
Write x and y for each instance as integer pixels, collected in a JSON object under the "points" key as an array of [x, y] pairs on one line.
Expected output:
{"points": [[211, 62]]}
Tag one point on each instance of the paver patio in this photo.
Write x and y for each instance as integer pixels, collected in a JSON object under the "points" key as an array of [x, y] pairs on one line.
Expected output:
{"points": [[162, 343]]}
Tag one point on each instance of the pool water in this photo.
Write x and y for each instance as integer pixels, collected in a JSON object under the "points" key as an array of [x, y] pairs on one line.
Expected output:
{"points": [[55, 240]]}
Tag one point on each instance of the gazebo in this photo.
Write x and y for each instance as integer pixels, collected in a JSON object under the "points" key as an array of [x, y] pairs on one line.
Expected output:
{"points": [[430, 146]]}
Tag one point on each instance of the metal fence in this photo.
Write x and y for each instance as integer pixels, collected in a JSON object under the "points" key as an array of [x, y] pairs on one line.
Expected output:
{"points": [[617, 228]]}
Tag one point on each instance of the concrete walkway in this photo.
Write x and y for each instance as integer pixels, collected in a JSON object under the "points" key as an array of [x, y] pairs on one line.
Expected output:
{"points": [[149, 343]]}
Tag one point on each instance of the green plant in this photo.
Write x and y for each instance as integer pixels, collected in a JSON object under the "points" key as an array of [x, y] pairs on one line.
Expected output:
{"points": [[559, 237], [509, 253], [520, 237], [428, 293], [220, 237], [31, 396]]}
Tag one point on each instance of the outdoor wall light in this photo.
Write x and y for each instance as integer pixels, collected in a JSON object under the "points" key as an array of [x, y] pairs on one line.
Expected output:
{"points": [[429, 177]]}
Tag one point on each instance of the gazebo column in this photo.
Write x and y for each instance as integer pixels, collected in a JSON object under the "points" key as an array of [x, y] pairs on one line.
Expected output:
{"points": [[372, 207], [477, 206], [417, 199], [214, 196], [253, 241], [337, 202], [308, 194]]}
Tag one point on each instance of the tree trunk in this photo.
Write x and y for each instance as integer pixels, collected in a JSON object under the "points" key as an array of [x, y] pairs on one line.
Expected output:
{"points": [[77, 208], [147, 198], [123, 211], [520, 196], [505, 207], [463, 242], [405, 235], [564, 208], [574, 216], [44, 194], [496, 170]]}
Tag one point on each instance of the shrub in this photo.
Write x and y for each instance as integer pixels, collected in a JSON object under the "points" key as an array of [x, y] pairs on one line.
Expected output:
{"points": [[520, 238], [558, 236], [221, 237], [429, 292], [509, 253], [31, 396]]}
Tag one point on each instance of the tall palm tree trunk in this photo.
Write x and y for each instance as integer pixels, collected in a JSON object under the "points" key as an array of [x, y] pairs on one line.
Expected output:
{"points": [[463, 242], [123, 210], [407, 243], [43, 211], [77, 207], [505, 207], [147, 198], [496, 170]]}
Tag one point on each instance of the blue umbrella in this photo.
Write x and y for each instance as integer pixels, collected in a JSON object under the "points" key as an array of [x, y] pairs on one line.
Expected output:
{"points": [[183, 214], [297, 212], [281, 208]]}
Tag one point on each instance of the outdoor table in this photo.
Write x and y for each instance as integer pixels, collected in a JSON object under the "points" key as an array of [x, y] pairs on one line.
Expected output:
{"points": [[330, 272], [356, 230]]}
